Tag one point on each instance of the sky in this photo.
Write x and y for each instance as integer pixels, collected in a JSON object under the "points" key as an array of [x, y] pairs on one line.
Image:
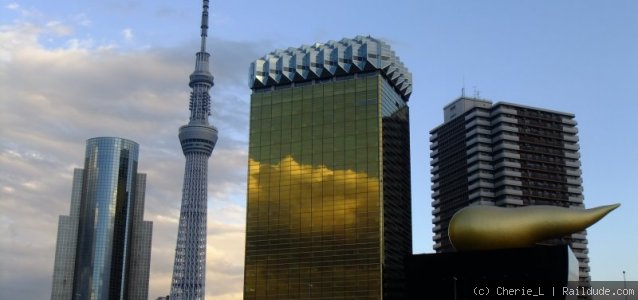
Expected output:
{"points": [[72, 70]]}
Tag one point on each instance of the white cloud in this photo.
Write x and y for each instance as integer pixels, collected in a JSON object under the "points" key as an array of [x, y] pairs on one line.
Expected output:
{"points": [[55, 99], [82, 19], [58, 28], [15, 37], [13, 6], [24, 12], [78, 44], [127, 33]]}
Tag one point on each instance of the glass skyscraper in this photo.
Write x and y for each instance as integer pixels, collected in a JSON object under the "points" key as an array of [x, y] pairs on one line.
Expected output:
{"points": [[104, 246], [329, 206]]}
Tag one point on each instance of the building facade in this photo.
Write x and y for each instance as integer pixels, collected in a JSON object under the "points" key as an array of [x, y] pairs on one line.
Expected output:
{"points": [[103, 248], [198, 139], [509, 155], [329, 207]]}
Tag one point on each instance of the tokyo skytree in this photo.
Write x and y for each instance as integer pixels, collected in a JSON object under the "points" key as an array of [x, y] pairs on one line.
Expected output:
{"points": [[198, 139]]}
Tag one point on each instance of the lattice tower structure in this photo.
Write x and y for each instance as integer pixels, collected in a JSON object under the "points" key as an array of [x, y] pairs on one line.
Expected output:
{"points": [[198, 140]]}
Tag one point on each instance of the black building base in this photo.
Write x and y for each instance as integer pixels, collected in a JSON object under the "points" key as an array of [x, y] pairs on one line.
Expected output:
{"points": [[538, 272]]}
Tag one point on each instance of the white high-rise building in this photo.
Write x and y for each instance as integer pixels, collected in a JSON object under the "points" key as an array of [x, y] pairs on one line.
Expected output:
{"points": [[509, 155]]}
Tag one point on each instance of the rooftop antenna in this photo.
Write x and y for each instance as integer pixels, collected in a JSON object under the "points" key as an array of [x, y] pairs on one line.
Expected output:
{"points": [[463, 88]]}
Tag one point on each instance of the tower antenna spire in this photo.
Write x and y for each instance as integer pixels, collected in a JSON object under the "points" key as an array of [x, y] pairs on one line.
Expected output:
{"points": [[204, 26], [201, 80]]}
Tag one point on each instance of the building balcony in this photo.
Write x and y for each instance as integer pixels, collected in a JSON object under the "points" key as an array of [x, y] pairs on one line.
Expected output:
{"points": [[478, 130], [509, 202], [579, 255], [477, 176], [573, 172], [508, 191], [509, 182], [484, 201], [504, 127], [573, 147], [480, 156], [480, 194], [574, 190], [477, 113], [477, 122], [503, 110], [579, 236], [503, 119], [482, 165], [507, 137], [570, 138], [506, 145], [575, 199], [572, 163], [572, 154], [570, 129], [507, 154], [478, 147], [569, 121], [579, 246], [510, 164], [479, 184], [574, 181], [505, 172], [479, 140]]}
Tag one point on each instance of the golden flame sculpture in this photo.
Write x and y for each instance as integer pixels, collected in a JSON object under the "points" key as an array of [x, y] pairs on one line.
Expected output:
{"points": [[482, 227]]}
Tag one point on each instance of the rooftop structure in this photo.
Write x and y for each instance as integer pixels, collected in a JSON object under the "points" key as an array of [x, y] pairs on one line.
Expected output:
{"points": [[329, 60]]}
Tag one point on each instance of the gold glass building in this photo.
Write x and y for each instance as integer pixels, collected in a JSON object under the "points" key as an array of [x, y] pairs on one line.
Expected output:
{"points": [[329, 207]]}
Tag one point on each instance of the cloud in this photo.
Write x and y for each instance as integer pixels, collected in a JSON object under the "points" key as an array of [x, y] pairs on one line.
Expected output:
{"points": [[54, 99], [82, 19], [127, 33], [300, 178], [13, 6], [293, 202], [58, 28]]}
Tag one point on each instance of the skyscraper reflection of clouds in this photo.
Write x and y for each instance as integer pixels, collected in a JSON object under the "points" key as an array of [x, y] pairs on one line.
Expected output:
{"points": [[328, 213], [104, 246]]}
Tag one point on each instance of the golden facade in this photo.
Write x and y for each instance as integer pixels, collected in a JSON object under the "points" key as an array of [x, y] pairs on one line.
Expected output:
{"points": [[328, 214]]}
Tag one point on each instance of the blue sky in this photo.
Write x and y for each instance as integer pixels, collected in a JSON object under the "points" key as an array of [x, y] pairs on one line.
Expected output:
{"points": [[73, 70]]}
